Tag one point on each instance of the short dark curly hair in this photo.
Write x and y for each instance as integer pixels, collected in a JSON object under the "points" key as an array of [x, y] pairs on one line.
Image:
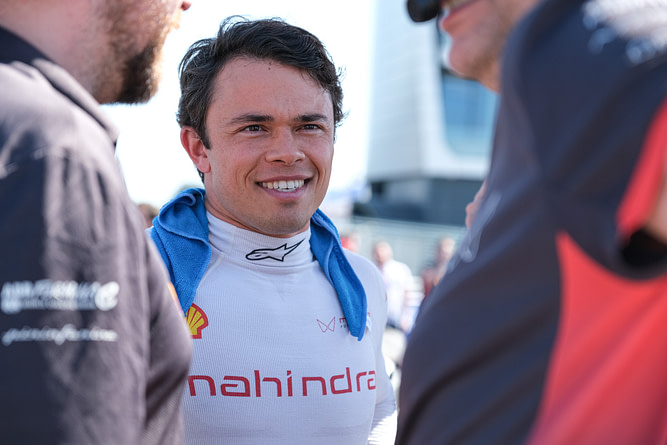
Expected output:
{"points": [[264, 39]]}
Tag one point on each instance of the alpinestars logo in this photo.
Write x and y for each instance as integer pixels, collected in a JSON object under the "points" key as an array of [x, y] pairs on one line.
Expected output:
{"points": [[278, 254]]}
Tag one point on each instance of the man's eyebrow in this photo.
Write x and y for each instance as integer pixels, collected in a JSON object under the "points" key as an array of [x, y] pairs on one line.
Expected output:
{"points": [[314, 117], [250, 117]]}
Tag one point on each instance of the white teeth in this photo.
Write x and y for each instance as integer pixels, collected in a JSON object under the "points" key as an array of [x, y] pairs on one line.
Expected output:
{"points": [[283, 186]]}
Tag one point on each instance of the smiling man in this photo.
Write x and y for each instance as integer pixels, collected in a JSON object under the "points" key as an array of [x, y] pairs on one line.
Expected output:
{"points": [[287, 326], [271, 144]]}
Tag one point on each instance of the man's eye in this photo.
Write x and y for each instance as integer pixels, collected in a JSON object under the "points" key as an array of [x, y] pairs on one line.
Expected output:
{"points": [[311, 127], [252, 128]]}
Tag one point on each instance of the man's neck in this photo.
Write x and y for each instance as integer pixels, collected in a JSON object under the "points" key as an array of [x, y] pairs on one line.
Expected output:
{"points": [[57, 29]]}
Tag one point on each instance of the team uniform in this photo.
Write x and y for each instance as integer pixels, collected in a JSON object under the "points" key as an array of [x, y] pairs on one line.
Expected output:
{"points": [[274, 358], [275, 362], [550, 325], [94, 349]]}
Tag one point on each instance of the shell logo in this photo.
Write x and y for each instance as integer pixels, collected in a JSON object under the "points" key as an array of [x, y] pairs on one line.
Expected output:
{"points": [[197, 320]]}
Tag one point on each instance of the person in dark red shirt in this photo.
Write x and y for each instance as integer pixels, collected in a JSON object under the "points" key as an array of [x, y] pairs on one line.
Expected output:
{"points": [[549, 326]]}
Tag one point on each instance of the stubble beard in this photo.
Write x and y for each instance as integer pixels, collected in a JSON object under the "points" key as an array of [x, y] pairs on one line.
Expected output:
{"points": [[139, 73], [141, 77]]}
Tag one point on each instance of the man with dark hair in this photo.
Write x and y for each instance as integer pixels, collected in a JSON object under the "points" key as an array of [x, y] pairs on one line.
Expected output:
{"points": [[94, 349], [287, 326], [549, 325]]}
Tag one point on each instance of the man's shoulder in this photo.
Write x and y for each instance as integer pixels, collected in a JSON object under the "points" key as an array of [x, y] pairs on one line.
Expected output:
{"points": [[585, 38], [368, 274], [42, 99], [360, 263], [34, 108]]}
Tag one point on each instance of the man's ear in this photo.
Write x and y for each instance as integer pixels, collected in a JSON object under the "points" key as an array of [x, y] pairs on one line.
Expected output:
{"points": [[195, 148]]}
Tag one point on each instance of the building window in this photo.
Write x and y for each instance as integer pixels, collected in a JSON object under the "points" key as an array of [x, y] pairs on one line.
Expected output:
{"points": [[469, 111]]}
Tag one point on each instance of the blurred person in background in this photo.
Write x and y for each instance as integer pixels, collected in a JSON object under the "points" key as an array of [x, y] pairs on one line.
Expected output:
{"points": [[432, 273], [351, 241], [94, 349], [399, 282], [550, 321]]}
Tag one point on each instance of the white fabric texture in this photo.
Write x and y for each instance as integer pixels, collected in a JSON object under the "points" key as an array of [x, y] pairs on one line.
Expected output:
{"points": [[274, 362]]}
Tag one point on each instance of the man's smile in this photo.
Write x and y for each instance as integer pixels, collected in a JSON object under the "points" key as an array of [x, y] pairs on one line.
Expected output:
{"points": [[284, 186]]}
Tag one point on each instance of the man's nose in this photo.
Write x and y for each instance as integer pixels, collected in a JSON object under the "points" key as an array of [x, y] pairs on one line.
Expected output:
{"points": [[284, 148]]}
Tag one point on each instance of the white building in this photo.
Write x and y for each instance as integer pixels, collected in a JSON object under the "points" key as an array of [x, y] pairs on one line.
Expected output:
{"points": [[430, 132]]}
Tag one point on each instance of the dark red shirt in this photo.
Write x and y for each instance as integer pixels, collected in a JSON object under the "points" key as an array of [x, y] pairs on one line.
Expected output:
{"points": [[544, 330]]}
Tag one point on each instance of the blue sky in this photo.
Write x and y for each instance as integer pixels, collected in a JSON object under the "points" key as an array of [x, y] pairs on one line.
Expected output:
{"points": [[149, 151]]}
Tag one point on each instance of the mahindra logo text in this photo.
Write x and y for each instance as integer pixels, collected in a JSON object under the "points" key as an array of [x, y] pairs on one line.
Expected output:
{"points": [[260, 386]]}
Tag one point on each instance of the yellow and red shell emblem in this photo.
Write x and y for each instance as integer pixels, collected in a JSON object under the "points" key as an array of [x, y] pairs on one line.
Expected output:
{"points": [[197, 320]]}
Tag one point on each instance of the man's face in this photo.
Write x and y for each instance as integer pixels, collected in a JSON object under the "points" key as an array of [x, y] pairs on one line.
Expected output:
{"points": [[137, 32], [271, 134], [478, 35], [479, 30]]}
